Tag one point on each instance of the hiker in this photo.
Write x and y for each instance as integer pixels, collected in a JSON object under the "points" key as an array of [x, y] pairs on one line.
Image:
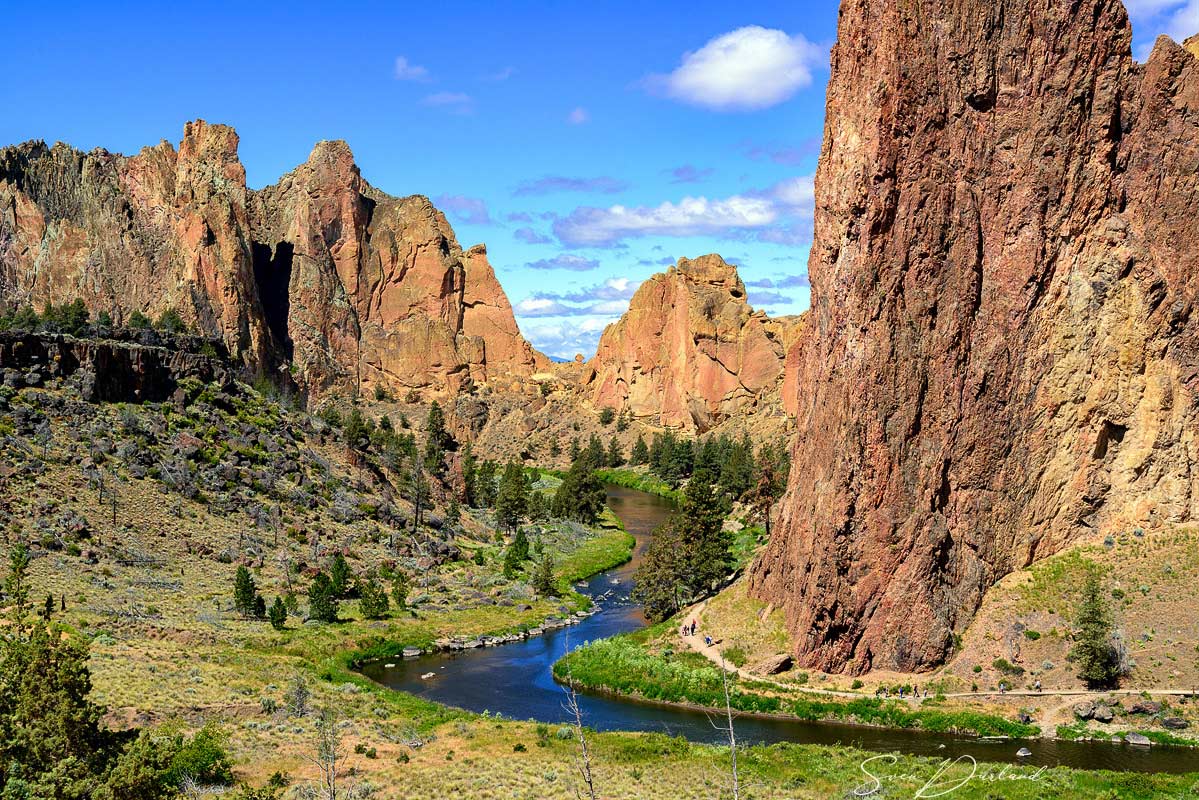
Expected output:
{"points": [[1037, 686], [1002, 687], [692, 627], [683, 630], [708, 641]]}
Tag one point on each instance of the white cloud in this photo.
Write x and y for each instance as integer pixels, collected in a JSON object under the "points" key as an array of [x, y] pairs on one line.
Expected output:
{"points": [[1184, 23], [780, 213], [471, 210], [744, 70], [565, 261], [454, 102], [578, 116], [407, 71], [540, 307], [1178, 19], [691, 216]]}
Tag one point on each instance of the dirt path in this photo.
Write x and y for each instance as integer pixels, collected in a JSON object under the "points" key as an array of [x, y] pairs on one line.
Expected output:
{"points": [[712, 653]]}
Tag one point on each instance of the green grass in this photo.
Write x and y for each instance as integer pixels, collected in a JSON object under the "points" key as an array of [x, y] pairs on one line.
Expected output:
{"points": [[611, 547], [641, 481], [623, 665]]}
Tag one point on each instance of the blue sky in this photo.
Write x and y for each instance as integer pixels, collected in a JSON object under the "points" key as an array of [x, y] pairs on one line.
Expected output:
{"points": [[588, 144]]}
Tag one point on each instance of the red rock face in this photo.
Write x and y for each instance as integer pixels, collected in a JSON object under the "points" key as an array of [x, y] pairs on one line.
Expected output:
{"points": [[999, 359], [163, 229], [320, 274], [690, 351]]}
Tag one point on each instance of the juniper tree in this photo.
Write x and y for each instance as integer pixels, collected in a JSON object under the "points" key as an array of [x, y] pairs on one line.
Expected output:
{"points": [[372, 599], [244, 592], [322, 603], [278, 614], [1093, 652], [544, 581], [339, 576], [399, 589], [512, 500], [640, 453]]}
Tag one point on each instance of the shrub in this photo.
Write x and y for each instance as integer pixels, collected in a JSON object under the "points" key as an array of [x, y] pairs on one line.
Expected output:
{"points": [[1006, 667]]}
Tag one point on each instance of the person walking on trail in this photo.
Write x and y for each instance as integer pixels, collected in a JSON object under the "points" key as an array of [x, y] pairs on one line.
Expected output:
{"points": [[692, 627]]}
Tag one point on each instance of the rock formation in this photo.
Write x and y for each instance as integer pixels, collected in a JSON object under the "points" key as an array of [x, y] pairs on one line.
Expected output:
{"points": [[128, 369], [999, 358], [320, 274], [690, 352]]}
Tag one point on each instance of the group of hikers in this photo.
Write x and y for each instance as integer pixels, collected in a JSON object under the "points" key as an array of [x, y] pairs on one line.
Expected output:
{"points": [[688, 629], [901, 692]]}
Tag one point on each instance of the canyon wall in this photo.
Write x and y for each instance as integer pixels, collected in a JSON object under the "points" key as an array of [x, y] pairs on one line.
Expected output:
{"points": [[690, 352], [320, 275], [1000, 358]]}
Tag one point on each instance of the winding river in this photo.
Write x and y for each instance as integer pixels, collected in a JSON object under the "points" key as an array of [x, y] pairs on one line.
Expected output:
{"points": [[515, 680]]}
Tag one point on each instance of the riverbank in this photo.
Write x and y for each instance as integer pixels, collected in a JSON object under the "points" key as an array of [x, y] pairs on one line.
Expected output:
{"points": [[641, 665]]}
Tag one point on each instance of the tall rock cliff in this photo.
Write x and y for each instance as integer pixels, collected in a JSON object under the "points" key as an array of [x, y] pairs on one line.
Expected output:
{"points": [[161, 229], [322, 274], [1000, 357], [689, 352]]}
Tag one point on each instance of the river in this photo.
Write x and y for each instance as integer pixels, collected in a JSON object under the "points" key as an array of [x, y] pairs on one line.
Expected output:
{"points": [[515, 680]]}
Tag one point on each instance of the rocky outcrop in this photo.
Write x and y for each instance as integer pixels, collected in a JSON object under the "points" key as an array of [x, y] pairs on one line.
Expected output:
{"points": [[320, 275], [132, 369], [162, 229], [1000, 358], [690, 352]]}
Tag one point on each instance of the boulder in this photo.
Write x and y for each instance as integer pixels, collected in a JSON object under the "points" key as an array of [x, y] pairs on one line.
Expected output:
{"points": [[773, 665], [1175, 723], [1084, 710], [1145, 707], [1139, 739], [1102, 714]]}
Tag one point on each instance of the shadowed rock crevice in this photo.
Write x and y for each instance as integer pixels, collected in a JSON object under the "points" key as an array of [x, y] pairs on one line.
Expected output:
{"points": [[272, 274]]}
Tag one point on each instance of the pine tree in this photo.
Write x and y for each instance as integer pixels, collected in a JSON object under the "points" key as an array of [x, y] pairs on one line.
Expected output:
{"points": [[640, 454], [706, 543], [418, 492], [259, 607], [244, 592], [517, 555], [485, 484], [659, 582], [555, 448], [544, 581], [513, 498], [575, 452], [339, 576], [469, 476], [399, 590], [581, 494], [322, 603], [615, 457], [437, 440], [16, 585], [372, 599], [1093, 653], [278, 614], [357, 432]]}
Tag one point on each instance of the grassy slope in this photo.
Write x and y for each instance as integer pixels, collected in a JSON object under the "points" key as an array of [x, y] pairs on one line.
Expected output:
{"points": [[165, 643], [643, 664]]}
